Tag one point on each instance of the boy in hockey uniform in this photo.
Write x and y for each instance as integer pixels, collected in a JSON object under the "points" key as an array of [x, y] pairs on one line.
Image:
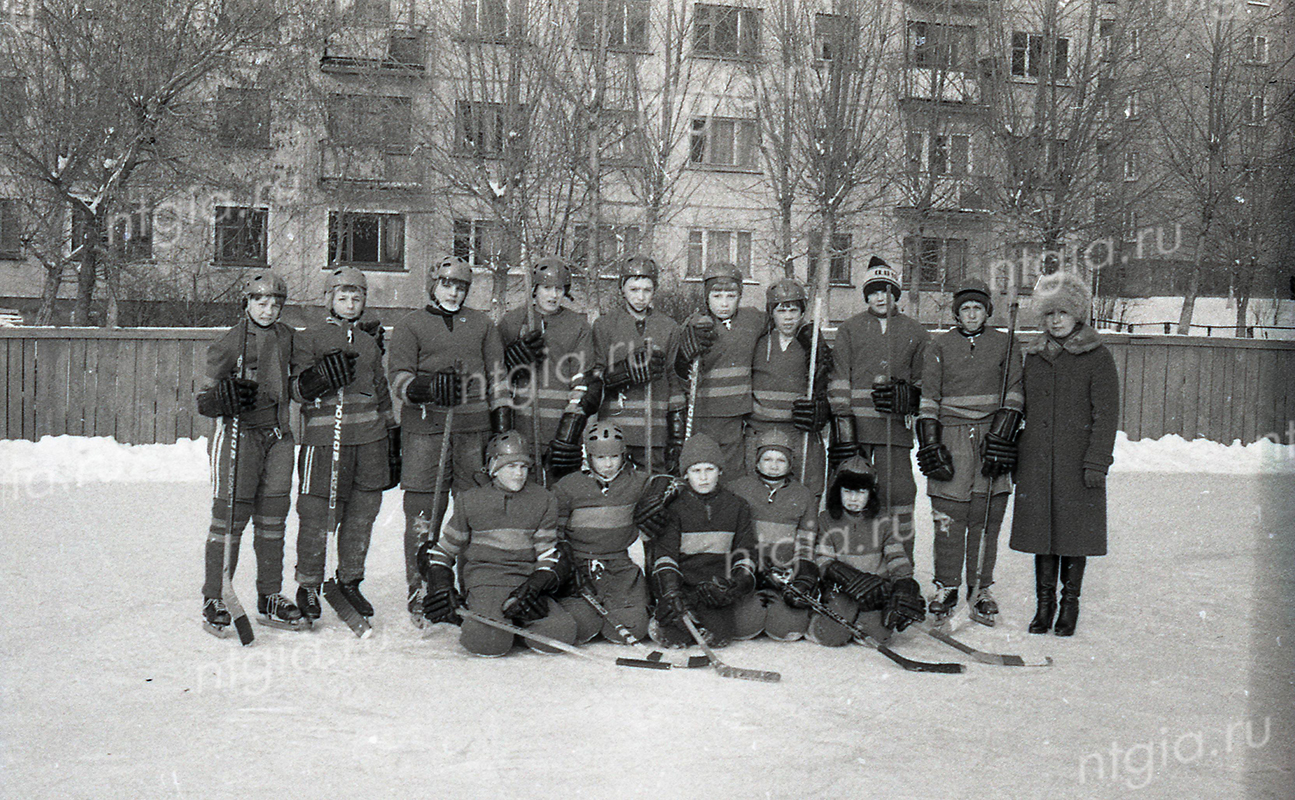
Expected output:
{"points": [[876, 385], [966, 448], [555, 342], [780, 380], [596, 520], [867, 577], [632, 344], [441, 358], [337, 361], [505, 536], [784, 514], [247, 377], [702, 562], [722, 338]]}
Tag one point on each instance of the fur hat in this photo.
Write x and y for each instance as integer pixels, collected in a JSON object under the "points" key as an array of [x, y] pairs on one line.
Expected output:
{"points": [[700, 449], [1063, 291], [855, 474]]}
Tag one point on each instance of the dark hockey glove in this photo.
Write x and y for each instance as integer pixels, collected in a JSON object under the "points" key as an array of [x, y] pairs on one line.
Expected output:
{"points": [[676, 424], [650, 510], [227, 397], [590, 387], [865, 588], [564, 450], [898, 397], [394, 460], [725, 590], [645, 366], [933, 458], [697, 339], [841, 443], [671, 605], [441, 601], [374, 328], [330, 373], [805, 335], [805, 581], [441, 388], [905, 605], [502, 418], [529, 602], [525, 349], [998, 450], [810, 415]]}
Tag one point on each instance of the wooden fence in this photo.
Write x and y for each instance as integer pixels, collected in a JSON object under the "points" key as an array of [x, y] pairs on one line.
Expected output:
{"points": [[137, 385]]}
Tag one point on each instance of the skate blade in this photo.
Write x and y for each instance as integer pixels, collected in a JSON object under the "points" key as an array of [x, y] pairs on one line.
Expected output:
{"points": [[219, 631], [984, 619], [269, 622], [418, 620]]}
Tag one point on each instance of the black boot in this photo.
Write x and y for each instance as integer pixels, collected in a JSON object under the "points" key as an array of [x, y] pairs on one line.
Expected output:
{"points": [[308, 602], [1045, 586], [1072, 578], [351, 591]]}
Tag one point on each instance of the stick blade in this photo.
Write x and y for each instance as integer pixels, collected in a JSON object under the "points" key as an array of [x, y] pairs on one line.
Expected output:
{"points": [[358, 623], [241, 623], [726, 671]]}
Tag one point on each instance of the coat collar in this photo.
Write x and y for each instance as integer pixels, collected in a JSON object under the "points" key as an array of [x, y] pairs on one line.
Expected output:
{"points": [[1083, 340]]}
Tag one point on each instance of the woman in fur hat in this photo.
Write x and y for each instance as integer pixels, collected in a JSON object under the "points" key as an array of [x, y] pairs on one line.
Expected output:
{"points": [[1072, 408]]}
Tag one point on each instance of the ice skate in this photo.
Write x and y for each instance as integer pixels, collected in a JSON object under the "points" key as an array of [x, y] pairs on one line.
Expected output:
{"points": [[276, 611], [417, 596], [351, 591], [308, 603], [943, 603], [215, 617], [984, 609]]}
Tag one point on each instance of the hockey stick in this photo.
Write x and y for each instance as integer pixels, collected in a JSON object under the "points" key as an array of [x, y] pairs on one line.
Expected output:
{"points": [[354, 620], [549, 641], [532, 401], [694, 378], [647, 418], [912, 665], [627, 638], [809, 391], [999, 659], [241, 623], [976, 616], [433, 524], [725, 670]]}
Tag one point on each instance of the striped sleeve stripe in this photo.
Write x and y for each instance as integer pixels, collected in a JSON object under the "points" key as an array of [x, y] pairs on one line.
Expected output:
{"points": [[696, 542]]}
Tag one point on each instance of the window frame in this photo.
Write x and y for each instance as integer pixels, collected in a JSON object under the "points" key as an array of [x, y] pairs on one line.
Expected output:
{"points": [[237, 124], [11, 245], [468, 128], [339, 239], [1031, 54], [1257, 48], [242, 234], [840, 267], [946, 46], [625, 18], [746, 46], [1132, 166], [351, 118], [947, 273], [473, 13], [702, 246], [1256, 110], [13, 96], [924, 164], [623, 239], [479, 242], [704, 139], [130, 232]]}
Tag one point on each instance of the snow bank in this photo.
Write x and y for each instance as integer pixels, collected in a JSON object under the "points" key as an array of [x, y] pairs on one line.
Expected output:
{"points": [[81, 459]]}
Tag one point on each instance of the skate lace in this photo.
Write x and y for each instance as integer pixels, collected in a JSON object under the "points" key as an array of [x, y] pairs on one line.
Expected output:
{"points": [[215, 603], [275, 604], [312, 594]]}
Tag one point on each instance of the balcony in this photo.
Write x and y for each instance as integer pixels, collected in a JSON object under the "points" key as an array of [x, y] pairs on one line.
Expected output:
{"points": [[381, 50], [934, 84], [947, 193], [963, 7], [376, 166]]}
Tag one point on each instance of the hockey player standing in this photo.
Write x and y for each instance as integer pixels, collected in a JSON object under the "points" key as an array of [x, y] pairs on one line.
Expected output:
{"points": [[723, 338], [596, 519], [702, 562], [505, 535], [336, 354], [785, 515], [867, 576], [555, 343], [443, 357], [780, 380], [632, 344], [876, 385], [247, 377], [960, 418]]}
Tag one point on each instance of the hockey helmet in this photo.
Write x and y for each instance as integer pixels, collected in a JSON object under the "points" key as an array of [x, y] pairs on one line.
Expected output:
{"points": [[776, 439], [856, 474], [785, 290], [722, 275], [264, 283], [604, 439], [639, 267], [450, 268], [509, 447], [551, 271], [973, 289], [879, 272], [348, 276]]}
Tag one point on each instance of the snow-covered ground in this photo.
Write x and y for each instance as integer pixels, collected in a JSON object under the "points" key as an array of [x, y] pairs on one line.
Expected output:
{"points": [[1178, 683]]}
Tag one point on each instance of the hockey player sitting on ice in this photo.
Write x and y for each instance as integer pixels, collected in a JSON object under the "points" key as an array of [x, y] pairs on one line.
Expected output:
{"points": [[505, 534], [247, 377], [967, 447], [335, 358], [595, 518], [784, 513], [702, 562], [866, 575]]}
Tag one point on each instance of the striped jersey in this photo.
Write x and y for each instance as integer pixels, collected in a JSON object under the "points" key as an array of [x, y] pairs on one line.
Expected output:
{"points": [[870, 544], [268, 353], [617, 334], [500, 536], [568, 341], [724, 388], [597, 518], [706, 536], [785, 515], [778, 378], [963, 377], [366, 407], [861, 354]]}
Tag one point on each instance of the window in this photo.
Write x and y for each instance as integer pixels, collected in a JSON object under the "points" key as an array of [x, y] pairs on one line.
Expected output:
{"points": [[627, 23], [723, 142], [832, 34], [1131, 166], [940, 46], [13, 103], [10, 233], [478, 242], [707, 246], [838, 269], [619, 132], [482, 128], [1131, 105], [615, 242], [938, 154], [1254, 110], [1105, 162], [490, 20], [1129, 225], [132, 232], [243, 117], [1028, 55], [241, 235], [371, 12], [369, 120], [725, 31], [1257, 49], [937, 262], [1025, 262], [366, 240], [1135, 43]]}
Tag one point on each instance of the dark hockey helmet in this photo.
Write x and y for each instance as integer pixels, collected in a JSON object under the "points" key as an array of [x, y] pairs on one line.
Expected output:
{"points": [[881, 273], [785, 290], [508, 447], [856, 474], [973, 289], [639, 267], [604, 439], [450, 268], [348, 276], [551, 271], [722, 275], [264, 283]]}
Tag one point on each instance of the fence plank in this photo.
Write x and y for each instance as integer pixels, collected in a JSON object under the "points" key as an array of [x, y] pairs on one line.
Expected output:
{"points": [[78, 385], [168, 390], [1251, 406], [52, 378], [1133, 398], [1195, 387], [6, 403], [29, 391], [105, 390], [1175, 386], [146, 391], [1153, 392], [124, 397], [184, 390], [1221, 400]]}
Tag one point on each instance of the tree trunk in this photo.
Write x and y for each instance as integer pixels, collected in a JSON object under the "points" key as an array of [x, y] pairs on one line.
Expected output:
{"points": [[49, 294], [86, 276], [1193, 285]]}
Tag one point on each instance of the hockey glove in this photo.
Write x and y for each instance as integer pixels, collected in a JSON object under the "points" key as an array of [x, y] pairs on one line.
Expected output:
{"points": [[898, 397], [564, 450], [933, 458], [676, 424], [374, 328], [525, 349], [650, 510], [810, 415], [440, 602], [805, 335], [330, 373], [841, 444], [227, 397], [394, 460], [805, 582], [1094, 478], [698, 337], [590, 388], [645, 366], [905, 605], [671, 605], [441, 388], [529, 602], [725, 590], [998, 450], [502, 419], [865, 588]]}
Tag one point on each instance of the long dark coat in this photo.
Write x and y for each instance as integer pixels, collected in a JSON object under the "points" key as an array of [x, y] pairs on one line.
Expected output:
{"points": [[1072, 404]]}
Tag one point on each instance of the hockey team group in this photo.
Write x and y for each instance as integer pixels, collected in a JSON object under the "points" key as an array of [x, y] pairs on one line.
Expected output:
{"points": [[768, 474]]}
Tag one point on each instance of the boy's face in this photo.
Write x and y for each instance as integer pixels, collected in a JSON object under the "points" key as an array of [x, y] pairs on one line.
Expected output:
{"points": [[638, 294], [348, 303], [1060, 323], [774, 463], [723, 302], [703, 477], [548, 299], [264, 309], [880, 300], [512, 476], [854, 500], [450, 294], [606, 466], [972, 315], [786, 318]]}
